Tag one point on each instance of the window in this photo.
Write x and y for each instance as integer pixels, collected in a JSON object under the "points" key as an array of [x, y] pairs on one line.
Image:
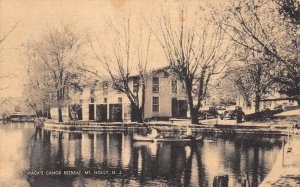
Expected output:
{"points": [[135, 85], [155, 84], [92, 91], [105, 100], [155, 104], [92, 94], [92, 99], [105, 87], [182, 88], [119, 91], [166, 74], [174, 86], [120, 99], [117, 88]]}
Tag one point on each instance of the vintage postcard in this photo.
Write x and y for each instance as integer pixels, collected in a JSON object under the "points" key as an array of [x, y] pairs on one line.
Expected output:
{"points": [[149, 93]]}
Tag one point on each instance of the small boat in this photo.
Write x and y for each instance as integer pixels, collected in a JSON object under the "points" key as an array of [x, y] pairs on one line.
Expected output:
{"points": [[142, 143], [210, 141], [137, 137]]}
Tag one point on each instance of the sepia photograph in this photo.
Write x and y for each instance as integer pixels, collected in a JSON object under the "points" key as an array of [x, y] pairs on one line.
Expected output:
{"points": [[147, 93]]}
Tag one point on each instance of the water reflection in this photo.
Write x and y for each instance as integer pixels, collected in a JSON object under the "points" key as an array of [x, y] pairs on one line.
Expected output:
{"points": [[121, 162], [13, 159]]}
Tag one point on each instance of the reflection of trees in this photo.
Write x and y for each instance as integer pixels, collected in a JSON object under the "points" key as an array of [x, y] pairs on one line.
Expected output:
{"points": [[248, 156], [169, 163], [115, 149], [134, 162], [177, 161], [78, 153], [255, 166], [100, 149], [60, 152], [202, 181], [38, 133], [92, 163], [263, 167], [147, 163], [41, 159], [37, 156], [53, 156]]}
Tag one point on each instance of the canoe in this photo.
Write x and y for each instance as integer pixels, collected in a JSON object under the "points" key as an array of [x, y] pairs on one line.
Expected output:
{"points": [[210, 141], [137, 137], [142, 143]]}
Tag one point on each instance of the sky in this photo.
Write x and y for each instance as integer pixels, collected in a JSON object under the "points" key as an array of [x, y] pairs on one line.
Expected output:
{"points": [[34, 17]]}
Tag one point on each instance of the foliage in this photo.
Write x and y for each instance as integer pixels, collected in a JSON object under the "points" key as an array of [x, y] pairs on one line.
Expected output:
{"points": [[259, 27], [289, 76], [290, 9], [55, 68]]}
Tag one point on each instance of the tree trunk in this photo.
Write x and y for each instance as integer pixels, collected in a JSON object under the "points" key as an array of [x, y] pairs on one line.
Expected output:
{"points": [[257, 102], [193, 111], [258, 87], [138, 113], [298, 101], [48, 114], [248, 103], [60, 118], [194, 115], [142, 108], [140, 116]]}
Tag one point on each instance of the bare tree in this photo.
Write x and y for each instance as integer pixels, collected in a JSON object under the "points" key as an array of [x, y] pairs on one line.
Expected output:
{"points": [[249, 24], [259, 27], [3, 37], [241, 81], [36, 95], [6, 34], [55, 67], [196, 51], [128, 63], [289, 75], [252, 80]]}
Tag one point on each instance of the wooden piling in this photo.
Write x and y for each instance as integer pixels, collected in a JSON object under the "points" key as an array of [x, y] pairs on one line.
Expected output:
{"points": [[283, 144], [220, 181]]}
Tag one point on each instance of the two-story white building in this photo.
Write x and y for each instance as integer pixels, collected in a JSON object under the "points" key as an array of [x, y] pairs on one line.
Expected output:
{"points": [[164, 98]]}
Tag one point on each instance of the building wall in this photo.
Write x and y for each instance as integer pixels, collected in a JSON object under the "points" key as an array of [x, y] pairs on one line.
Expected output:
{"points": [[85, 99], [265, 104], [54, 114], [110, 98], [165, 96]]}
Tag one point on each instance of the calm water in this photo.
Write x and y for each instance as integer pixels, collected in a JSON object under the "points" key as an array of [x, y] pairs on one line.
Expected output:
{"points": [[66, 159]]}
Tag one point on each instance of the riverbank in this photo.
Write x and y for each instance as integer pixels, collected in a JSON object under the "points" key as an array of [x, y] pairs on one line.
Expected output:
{"points": [[286, 170], [227, 130], [281, 124]]}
